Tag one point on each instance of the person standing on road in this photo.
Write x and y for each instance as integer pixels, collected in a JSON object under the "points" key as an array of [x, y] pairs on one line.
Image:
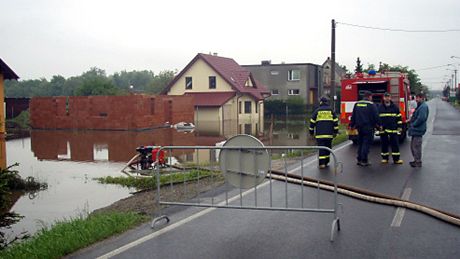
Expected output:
{"points": [[324, 125], [417, 129], [364, 118], [390, 117]]}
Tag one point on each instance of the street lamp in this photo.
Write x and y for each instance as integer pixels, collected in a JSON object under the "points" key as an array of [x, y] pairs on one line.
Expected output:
{"points": [[455, 87], [454, 83]]}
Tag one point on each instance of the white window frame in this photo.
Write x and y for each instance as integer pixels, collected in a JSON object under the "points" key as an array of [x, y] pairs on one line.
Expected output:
{"points": [[291, 92], [294, 75], [277, 92]]}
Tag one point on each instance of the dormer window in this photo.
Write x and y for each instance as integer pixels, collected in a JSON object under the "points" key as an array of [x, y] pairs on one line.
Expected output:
{"points": [[248, 83]]}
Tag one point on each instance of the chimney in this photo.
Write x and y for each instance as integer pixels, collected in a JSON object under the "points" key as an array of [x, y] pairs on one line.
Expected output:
{"points": [[266, 62], [214, 54]]}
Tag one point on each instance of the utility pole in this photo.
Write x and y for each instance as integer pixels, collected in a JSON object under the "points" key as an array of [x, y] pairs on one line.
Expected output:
{"points": [[455, 86], [333, 94]]}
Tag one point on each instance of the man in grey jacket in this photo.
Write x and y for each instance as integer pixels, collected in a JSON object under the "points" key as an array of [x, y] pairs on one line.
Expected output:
{"points": [[417, 129]]}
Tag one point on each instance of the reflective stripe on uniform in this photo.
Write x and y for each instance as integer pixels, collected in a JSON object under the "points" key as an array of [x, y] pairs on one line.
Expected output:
{"points": [[311, 129], [396, 154], [312, 121], [391, 131], [388, 115], [324, 136], [384, 154], [361, 105], [323, 157], [399, 122]]}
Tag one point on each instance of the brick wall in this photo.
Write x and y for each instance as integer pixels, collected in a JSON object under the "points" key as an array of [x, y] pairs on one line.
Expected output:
{"points": [[131, 112]]}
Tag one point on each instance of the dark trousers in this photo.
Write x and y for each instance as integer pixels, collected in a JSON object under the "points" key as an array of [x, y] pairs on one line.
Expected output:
{"points": [[365, 138], [324, 155], [389, 139]]}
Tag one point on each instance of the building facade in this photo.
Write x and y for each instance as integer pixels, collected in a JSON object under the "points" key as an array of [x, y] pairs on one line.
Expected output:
{"points": [[286, 80]]}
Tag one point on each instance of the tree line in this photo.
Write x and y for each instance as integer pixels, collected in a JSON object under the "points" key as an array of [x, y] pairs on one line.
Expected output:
{"points": [[92, 82]]}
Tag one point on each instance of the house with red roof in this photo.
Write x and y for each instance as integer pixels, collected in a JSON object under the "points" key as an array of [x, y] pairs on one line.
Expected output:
{"points": [[227, 98]]}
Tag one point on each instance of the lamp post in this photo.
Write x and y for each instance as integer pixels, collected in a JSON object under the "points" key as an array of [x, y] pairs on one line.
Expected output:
{"points": [[455, 74]]}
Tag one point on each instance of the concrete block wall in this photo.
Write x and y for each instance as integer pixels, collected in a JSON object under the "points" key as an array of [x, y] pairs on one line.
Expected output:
{"points": [[131, 112]]}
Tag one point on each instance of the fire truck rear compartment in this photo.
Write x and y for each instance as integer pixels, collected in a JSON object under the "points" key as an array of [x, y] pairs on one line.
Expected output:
{"points": [[377, 90]]}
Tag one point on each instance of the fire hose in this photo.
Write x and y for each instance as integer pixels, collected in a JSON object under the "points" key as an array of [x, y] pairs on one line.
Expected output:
{"points": [[366, 195]]}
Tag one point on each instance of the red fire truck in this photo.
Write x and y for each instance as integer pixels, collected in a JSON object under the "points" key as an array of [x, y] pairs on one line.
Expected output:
{"points": [[396, 83]]}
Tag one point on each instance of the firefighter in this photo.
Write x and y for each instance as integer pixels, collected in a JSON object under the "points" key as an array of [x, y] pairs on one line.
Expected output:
{"points": [[324, 125], [364, 118], [391, 123]]}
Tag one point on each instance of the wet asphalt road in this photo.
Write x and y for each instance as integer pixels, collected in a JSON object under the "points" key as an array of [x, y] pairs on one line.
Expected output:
{"points": [[368, 230]]}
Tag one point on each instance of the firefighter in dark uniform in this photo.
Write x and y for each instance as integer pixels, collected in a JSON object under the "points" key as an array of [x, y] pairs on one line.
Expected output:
{"points": [[324, 125], [365, 119], [391, 123]]}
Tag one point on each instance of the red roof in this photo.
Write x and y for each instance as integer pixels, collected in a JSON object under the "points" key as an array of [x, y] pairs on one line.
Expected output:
{"points": [[235, 75], [211, 99]]}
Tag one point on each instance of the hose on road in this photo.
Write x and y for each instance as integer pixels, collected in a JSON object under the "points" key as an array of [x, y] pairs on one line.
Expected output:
{"points": [[365, 195]]}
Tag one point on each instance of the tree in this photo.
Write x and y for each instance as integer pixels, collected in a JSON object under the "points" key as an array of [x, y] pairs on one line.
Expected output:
{"points": [[359, 66], [160, 81]]}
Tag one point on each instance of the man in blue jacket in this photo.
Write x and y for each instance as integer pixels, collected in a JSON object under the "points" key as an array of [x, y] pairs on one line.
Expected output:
{"points": [[365, 119], [417, 129]]}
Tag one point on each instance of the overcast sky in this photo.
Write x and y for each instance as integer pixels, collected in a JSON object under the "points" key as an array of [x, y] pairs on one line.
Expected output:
{"points": [[57, 37]]}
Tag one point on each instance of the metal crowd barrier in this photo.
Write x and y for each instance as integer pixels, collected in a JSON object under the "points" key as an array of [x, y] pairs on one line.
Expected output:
{"points": [[240, 179]]}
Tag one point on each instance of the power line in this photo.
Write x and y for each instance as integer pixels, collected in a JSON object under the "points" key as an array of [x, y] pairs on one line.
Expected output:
{"points": [[427, 68], [397, 30]]}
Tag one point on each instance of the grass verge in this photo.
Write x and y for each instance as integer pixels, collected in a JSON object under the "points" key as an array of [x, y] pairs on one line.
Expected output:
{"points": [[68, 236], [151, 182]]}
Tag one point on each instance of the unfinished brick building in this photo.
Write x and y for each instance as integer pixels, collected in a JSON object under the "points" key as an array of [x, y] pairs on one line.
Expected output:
{"points": [[132, 112]]}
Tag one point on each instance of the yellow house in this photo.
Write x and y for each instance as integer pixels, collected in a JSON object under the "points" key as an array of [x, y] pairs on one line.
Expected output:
{"points": [[5, 73], [228, 100]]}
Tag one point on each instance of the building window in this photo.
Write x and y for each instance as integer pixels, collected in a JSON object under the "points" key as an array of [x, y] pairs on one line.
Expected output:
{"points": [[293, 92], [247, 107], [293, 75], [275, 92], [212, 82], [257, 107], [239, 107], [188, 82]]}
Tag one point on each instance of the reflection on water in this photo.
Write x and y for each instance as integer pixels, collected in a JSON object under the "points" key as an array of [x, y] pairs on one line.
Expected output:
{"points": [[69, 160]]}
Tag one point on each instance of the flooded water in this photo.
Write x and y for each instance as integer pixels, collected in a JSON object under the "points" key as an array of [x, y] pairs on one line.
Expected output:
{"points": [[69, 160]]}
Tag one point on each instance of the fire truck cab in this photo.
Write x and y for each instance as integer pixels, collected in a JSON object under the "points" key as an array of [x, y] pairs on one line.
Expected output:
{"points": [[396, 83]]}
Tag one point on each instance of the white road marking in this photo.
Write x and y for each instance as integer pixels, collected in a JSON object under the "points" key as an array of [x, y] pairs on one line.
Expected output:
{"points": [[399, 215], [192, 217]]}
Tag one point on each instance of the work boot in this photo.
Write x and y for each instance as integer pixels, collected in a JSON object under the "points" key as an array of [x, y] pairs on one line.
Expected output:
{"points": [[415, 164], [399, 162], [384, 161], [322, 166], [364, 163]]}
